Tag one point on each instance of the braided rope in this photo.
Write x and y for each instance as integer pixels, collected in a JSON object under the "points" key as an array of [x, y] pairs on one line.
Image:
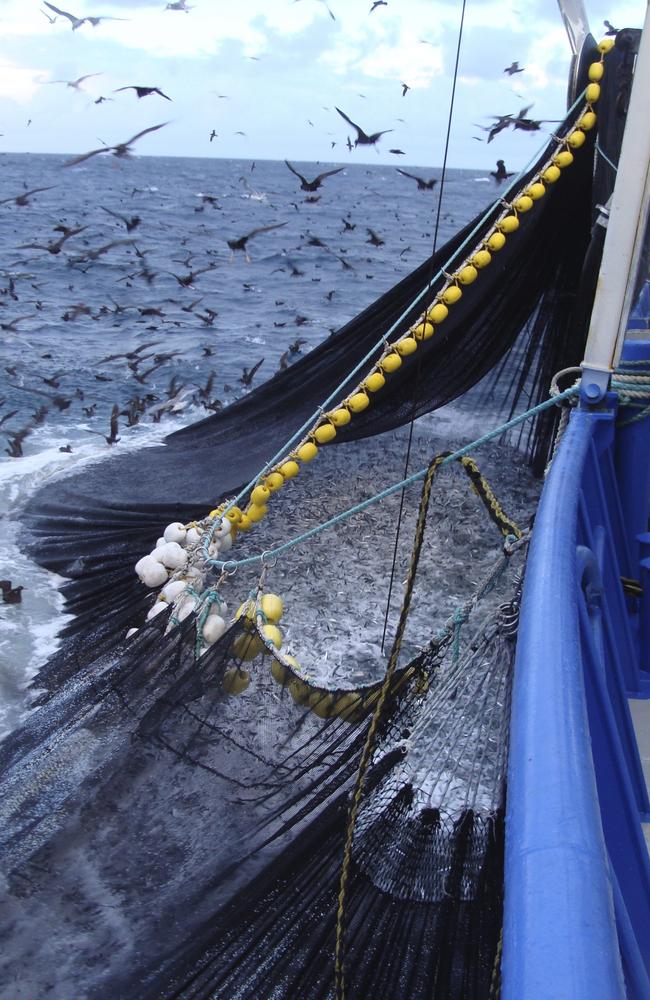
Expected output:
{"points": [[515, 538], [339, 952]]}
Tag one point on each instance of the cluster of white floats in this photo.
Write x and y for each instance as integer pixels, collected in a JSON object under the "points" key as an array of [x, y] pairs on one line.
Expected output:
{"points": [[176, 566]]}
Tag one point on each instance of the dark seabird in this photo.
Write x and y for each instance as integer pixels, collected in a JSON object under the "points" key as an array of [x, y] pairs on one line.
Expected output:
{"points": [[314, 185], [240, 242], [23, 199], [143, 91], [10, 595], [112, 437], [500, 174], [363, 139], [121, 149], [248, 375], [78, 21], [423, 185], [131, 222]]}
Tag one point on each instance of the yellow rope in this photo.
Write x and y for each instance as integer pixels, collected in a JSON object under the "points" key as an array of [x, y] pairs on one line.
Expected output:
{"points": [[339, 970], [507, 526]]}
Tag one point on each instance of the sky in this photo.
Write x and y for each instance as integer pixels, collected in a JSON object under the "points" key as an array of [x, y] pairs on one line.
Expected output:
{"points": [[278, 69]]}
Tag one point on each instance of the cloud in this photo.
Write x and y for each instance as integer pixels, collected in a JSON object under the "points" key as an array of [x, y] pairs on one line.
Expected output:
{"points": [[404, 61], [20, 83]]}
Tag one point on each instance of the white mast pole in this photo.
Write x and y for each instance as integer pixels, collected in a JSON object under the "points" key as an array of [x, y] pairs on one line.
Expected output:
{"points": [[625, 231]]}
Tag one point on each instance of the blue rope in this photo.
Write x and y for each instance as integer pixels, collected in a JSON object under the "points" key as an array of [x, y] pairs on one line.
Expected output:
{"points": [[232, 564], [606, 158], [371, 353]]}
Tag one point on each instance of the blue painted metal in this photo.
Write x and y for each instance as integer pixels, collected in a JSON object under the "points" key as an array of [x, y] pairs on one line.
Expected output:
{"points": [[577, 901], [632, 467]]}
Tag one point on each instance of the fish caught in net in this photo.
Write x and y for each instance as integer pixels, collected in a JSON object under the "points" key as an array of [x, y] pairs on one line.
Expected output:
{"points": [[174, 814]]}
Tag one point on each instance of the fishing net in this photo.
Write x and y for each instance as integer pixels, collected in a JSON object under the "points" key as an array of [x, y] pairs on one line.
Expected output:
{"points": [[176, 811], [520, 320], [173, 824]]}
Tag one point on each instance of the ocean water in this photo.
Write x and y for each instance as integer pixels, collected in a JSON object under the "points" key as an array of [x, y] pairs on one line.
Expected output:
{"points": [[171, 289]]}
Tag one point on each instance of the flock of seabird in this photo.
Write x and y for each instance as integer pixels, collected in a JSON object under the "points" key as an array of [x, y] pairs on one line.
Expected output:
{"points": [[178, 396]]}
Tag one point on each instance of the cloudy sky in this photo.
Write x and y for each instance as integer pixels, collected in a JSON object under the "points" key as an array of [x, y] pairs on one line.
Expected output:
{"points": [[283, 66]]}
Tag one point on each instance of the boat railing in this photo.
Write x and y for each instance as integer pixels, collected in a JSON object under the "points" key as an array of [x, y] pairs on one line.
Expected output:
{"points": [[577, 898]]}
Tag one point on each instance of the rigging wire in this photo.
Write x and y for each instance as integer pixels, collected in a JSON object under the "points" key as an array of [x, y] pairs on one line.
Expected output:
{"points": [[430, 283]]}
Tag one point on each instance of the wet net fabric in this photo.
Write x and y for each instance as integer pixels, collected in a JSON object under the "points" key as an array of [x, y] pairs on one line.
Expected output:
{"points": [[161, 836], [93, 526], [164, 837]]}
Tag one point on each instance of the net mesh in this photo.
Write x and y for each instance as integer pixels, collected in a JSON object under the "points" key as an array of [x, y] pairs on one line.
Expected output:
{"points": [[173, 825]]}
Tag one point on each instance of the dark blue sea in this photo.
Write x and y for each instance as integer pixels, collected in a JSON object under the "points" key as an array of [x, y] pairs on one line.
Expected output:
{"points": [[197, 313]]}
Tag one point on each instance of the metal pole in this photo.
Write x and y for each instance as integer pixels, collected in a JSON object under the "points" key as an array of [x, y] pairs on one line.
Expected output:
{"points": [[625, 233]]}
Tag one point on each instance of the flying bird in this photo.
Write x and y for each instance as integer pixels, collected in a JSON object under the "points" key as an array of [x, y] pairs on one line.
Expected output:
{"points": [[76, 84], [501, 122], [500, 174], [112, 437], [373, 238], [143, 91], [55, 246], [397, 152], [248, 375], [213, 135], [91, 255], [78, 21], [423, 185], [514, 68], [121, 149], [525, 124], [60, 402], [378, 3], [23, 199], [241, 241], [314, 185], [363, 139], [405, 89], [131, 222], [179, 5]]}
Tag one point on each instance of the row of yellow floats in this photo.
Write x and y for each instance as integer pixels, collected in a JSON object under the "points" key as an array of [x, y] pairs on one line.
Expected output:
{"points": [[326, 428], [264, 613], [267, 611]]}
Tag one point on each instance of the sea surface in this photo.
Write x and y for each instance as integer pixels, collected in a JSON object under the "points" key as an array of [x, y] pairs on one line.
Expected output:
{"points": [[199, 315]]}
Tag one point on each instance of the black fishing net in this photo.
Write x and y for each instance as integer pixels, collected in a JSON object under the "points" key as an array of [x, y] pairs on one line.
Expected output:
{"points": [[174, 825], [93, 526], [173, 816]]}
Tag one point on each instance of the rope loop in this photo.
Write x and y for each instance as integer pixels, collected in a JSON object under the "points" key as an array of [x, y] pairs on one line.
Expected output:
{"points": [[554, 388]]}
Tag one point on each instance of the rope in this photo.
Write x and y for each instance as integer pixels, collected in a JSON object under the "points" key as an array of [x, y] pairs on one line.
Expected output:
{"points": [[441, 188], [383, 340], [339, 954], [232, 564], [452, 629], [606, 157]]}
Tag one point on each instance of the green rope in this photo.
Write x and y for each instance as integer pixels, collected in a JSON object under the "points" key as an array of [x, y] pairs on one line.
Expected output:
{"points": [[641, 415], [232, 564], [606, 158]]}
